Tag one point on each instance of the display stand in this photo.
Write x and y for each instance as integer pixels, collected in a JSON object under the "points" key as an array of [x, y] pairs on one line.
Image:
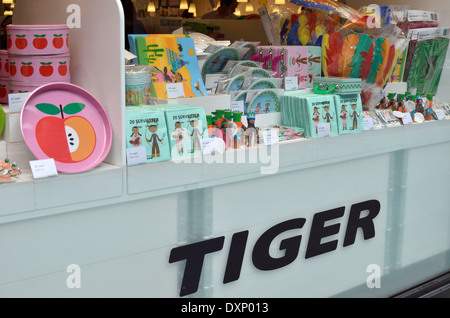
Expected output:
{"points": [[118, 225]]}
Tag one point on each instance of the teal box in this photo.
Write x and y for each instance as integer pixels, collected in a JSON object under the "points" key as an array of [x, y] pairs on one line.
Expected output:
{"points": [[186, 126], [146, 127], [350, 117]]}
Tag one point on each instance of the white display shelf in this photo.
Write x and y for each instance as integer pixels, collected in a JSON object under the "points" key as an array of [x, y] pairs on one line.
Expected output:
{"points": [[293, 155], [114, 182], [107, 184]]}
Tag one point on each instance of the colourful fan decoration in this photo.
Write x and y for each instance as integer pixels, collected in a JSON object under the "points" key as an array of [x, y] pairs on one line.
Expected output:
{"points": [[332, 6], [331, 49], [346, 56]]}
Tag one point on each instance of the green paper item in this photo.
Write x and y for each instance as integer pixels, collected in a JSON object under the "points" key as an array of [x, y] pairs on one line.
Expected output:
{"points": [[350, 117], [363, 46], [146, 127], [427, 65]]}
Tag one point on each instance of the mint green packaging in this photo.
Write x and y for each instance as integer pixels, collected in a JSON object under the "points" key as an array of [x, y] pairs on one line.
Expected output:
{"points": [[350, 117], [146, 127], [186, 126], [318, 110]]}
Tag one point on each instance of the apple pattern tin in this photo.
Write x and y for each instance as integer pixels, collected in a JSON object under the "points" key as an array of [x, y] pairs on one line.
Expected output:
{"points": [[4, 63], [4, 89], [23, 87], [40, 68], [37, 39], [65, 122]]}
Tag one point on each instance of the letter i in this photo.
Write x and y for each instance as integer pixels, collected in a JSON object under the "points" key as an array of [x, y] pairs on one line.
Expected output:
{"points": [[235, 257]]}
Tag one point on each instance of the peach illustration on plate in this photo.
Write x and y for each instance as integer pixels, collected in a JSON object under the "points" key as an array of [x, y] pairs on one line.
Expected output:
{"points": [[65, 139]]}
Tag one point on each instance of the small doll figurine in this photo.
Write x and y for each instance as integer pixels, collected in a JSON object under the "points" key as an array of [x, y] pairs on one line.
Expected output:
{"points": [[419, 105], [429, 110], [382, 104], [392, 104], [400, 104], [251, 132]]}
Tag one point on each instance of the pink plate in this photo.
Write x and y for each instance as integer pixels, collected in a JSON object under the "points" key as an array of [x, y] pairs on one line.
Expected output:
{"points": [[65, 122]]}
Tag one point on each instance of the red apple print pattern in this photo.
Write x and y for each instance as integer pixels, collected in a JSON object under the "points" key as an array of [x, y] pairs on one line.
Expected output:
{"points": [[3, 91], [40, 42], [46, 69], [58, 41], [12, 69], [62, 68], [27, 69], [8, 42], [21, 42]]}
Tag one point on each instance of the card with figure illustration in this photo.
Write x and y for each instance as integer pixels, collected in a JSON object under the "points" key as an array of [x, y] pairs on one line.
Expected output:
{"points": [[174, 66], [186, 126], [146, 127], [320, 116], [350, 117]]}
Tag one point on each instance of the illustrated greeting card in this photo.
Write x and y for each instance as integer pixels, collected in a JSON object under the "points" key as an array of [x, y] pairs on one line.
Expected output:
{"points": [[320, 116], [314, 63], [349, 110], [146, 127], [175, 69], [186, 126]]}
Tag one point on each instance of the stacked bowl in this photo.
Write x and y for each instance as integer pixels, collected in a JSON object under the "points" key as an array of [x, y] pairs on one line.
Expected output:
{"points": [[37, 54]]}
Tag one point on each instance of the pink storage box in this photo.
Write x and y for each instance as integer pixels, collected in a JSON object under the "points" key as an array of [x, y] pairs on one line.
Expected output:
{"points": [[4, 63], [23, 87], [4, 88], [286, 61], [37, 39], [36, 68]]}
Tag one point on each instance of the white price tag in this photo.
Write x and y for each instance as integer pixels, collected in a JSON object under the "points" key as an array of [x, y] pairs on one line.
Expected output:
{"points": [[43, 168], [210, 146], [368, 123], [16, 101], [270, 137], [237, 106], [290, 83], [323, 130], [136, 156], [211, 81], [175, 90], [440, 114], [407, 119]]}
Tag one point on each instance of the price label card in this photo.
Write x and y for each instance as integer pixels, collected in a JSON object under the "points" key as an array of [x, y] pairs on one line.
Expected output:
{"points": [[270, 137], [237, 106], [290, 83], [407, 119], [212, 81], [323, 130], [136, 156], [368, 123], [175, 90], [210, 146], [16, 101], [43, 168], [440, 114]]}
